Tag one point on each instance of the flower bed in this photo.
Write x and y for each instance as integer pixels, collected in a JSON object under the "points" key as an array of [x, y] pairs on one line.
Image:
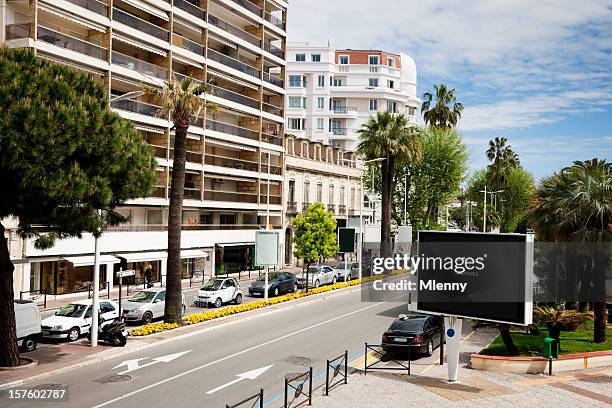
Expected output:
{"points": [[195, 318]]}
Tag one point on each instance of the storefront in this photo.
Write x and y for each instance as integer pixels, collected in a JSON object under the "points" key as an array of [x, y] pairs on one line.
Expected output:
{"points": [[143, 264], [193, 262], [233, 258]]}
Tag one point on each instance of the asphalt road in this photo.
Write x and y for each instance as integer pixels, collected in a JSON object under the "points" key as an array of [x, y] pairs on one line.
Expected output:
{"points": [[287, 341]]}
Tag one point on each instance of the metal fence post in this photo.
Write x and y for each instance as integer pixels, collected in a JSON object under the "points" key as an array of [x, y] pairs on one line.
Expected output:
{"points": [[327, 379], [21, 295], [261, 399], [45, 299], [345, 366], [310, 387], [365, 370], [108, 290], [286, 385]]}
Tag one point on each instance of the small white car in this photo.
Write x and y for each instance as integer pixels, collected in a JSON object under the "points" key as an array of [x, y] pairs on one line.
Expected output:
{"points": [[27, 321], [74, 319], [219, 291], [318, 275], [146, 305]]}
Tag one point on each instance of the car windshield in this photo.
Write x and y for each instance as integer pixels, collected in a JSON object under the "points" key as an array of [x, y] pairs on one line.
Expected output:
{"points": [[144, 296], [410, 325], [213, 284], [71, 310]]}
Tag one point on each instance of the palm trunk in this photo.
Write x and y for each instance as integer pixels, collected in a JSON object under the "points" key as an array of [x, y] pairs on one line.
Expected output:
{"points": [[9, 352], [386, 206], [504, 331], [173, 307]]}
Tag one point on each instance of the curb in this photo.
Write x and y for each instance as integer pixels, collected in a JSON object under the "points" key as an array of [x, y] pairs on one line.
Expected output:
{"points": [[251, 314]]}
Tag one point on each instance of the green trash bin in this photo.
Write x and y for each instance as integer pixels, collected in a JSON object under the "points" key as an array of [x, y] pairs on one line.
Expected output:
{"points": [[551, 348]]}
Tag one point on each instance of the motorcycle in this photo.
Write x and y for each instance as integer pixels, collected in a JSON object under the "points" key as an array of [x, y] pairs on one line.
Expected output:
{"points": [[112, 332]]}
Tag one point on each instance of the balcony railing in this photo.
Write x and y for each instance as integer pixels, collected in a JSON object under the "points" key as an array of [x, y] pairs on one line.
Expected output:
{"points": [[291, 207], [159, 151], [16, 31], [135, 64], [190, 8], [216, 195], [249, 6], [187, 44], [274, 20], [190, 156], [232, 130], [159, 192], [273, 169], [137, 107], [275, 200], [272, 139], [235, 97], [274, 50], [232, 63], [192, 193], [339, 131], [160, 227], [229, 162], [238, 32], [141, 25], [275, 110], [273, 79], [71, 43], [344, 109], [342, 209], [92, 5]]}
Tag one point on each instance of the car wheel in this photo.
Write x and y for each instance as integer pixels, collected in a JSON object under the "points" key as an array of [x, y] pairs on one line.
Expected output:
{"points": [[73, 334], [218, 302], [317, 283], [295, 287], [429, 351], [29, 344], [147, 318], [238, 299], [276, 292]]}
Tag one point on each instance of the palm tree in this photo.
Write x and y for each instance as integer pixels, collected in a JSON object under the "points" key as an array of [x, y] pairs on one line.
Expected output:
{"points": [[389, 136], [181, 100], [575, 205], [446, 112], [503, 158], [558, 320]]}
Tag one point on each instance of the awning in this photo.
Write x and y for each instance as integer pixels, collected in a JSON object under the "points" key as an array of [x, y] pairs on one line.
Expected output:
{"points": [[187, 61], [88, 260], [140, 45], [188, 26], [149, 9], [236, 81], [234, 244], [144, 256], [231, 145], [193, 253], [231, 178], [150, 129], [72, 17]]}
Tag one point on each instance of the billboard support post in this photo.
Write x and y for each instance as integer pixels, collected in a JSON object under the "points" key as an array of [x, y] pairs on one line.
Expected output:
{"points": [[453, 326]]}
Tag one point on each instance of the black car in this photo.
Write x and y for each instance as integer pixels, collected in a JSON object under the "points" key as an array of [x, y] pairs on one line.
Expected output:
{"points": [[278, 282], [414, 333]]}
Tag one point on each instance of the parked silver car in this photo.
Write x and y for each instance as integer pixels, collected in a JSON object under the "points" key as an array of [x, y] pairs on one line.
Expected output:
{"points": [[347, 270], [146, 305], [317, 275]]}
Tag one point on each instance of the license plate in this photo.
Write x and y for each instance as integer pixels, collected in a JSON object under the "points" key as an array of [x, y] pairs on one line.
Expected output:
{"points": [[401, 340]]}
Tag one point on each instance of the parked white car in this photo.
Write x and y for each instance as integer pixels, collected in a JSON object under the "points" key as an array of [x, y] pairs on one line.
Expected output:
{"points": [[219, 291], [318, 275], [27, 321], [347, 270], [74, 319], [146, 305]]}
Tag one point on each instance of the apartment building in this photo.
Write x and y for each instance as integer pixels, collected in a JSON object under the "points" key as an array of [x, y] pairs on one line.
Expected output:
{"points": [[331, 93], [316, 172], [238, 46]]}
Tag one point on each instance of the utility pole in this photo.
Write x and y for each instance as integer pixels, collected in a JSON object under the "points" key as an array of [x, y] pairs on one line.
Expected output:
{"points": [[484, 210]]}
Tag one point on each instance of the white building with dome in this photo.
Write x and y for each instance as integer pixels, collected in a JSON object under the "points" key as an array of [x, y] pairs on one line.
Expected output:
{"points": [[331, 93]]}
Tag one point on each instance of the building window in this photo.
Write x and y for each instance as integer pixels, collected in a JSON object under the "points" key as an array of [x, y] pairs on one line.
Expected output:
{"points": [[390, 84], [320, 192], [297, 102], [411, 110], [297, 81], [292, 191], [373, 82], [307, 192], [342, 195], [315, 57], [391, 107], [338, 82], [373, 104], [343, 59], [300, 57], [391, 62], [373, 59], [330, 194], [320, 123], [296, 123], [320, 102], [321, 81], [352, 203]]}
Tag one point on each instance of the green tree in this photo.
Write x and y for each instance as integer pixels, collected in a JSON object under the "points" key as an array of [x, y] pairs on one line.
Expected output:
{"points": [[575, 205], [182, 101], [503, 158], [389, 136], [446, 111], [64, 155], [315, 236]]}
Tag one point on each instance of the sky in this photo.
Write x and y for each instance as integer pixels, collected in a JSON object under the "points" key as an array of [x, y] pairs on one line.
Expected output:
{"points": [[536, 72]]}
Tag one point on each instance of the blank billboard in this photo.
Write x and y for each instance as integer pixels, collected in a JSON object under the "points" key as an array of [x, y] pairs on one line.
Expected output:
{"points": [[346, 240]]}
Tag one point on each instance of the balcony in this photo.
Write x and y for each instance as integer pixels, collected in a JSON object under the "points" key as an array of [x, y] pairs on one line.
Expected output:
{"points": [[230, 196], [339, 131], [159, 192], [230, 162], [231, 130], [274, 50], [187, 44], [273, 169], [190, 8], [331, 208], [159, 151], [344, 109], [292, 207], [275, 110], [141, 25], [232, 63], [71, 43], [342, 209], [274, 200], [235, 97], [136, 107], [192, 193], [190, 156], [238, 32], [249, 6], [140, 66], [17, 31], [92, 5], [305, 207], [272, 139], [273, 79], [274, 20]]}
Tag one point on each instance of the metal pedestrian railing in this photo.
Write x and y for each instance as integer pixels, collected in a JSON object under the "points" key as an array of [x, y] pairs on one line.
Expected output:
{"points": [[253, 401], [336, 365], [376, 365], [296, 386]]}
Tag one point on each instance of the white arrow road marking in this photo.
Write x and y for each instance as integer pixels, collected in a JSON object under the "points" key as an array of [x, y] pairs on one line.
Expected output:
{"points": [[132, 365], [249, 375]]}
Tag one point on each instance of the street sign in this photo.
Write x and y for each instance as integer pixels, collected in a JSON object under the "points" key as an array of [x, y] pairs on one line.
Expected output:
{"points": [[123, 274]]}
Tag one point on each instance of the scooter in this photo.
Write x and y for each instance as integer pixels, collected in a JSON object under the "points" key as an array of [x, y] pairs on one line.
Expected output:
{"points": [[112, 332]]}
